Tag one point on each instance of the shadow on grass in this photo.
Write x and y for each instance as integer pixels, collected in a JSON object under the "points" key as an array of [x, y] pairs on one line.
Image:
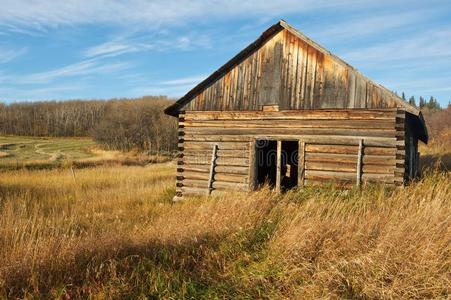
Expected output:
{"points": [[433, 161], [118, 268]]}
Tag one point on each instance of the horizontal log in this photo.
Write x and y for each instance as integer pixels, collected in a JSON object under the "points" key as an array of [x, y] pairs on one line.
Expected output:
{"points": [[290, 131], [220, 161], [237, 178], [221, 153], [324, 140], [340, 183], [205, 145], [349, 167], [233, 186], [330, 175], [343, 149], [401, 114], [219, 169], [287, 123], [320, 183], [352, 158], [195, 183], [341, 114], [217, 185]]}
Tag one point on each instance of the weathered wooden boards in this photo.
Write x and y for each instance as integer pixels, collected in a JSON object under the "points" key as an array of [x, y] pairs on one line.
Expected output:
{"points": [[292, 72], [400, 171], [301, 163], [338, 145], [279, 165]]}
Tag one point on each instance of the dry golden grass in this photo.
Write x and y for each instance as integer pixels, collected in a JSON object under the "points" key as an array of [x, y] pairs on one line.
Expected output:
{"points": [[113, 232], [438, 151]]}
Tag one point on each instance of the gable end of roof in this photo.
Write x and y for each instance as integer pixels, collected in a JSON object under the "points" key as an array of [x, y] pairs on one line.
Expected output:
{"points": [[175, 108]]}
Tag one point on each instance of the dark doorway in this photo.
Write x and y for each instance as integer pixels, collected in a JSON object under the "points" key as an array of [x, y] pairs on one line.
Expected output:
{"points": [[266, 162], [289, 167]]}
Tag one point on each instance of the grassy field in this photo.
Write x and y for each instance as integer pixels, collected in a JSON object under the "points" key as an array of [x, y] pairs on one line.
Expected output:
{"points": [[18, 152], [29, 149], [113, 232]]}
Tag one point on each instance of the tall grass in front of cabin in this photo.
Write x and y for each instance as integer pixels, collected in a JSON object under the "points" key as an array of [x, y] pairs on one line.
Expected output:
{"points": [[113, 232]]}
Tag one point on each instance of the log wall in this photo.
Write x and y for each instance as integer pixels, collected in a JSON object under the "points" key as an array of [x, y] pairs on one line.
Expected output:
{"points": [[329, 140]]}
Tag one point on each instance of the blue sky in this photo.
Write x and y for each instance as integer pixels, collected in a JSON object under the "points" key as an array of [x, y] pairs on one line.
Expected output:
{"points": [[56, 50]]}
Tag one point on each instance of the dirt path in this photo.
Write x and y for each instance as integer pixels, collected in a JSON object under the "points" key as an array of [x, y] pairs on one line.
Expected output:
{"points": [[52, 156]]}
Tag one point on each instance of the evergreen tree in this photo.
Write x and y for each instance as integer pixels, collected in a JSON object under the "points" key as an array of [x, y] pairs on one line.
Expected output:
{"points": [[412, 101], [422, 102], [433, 103]]}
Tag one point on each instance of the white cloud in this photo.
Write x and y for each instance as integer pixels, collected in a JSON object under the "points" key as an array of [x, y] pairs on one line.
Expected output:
{"points": [[7, 55], [157, 12], [83, 68], [132, 44], [115, 48]]}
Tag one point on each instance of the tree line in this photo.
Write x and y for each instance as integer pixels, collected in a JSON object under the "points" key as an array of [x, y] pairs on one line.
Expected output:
{"points": [[431, 104], [119, 124], [116, 124]]}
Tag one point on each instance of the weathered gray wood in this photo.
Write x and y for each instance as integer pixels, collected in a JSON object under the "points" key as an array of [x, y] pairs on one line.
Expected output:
{"points": [[363, 132], [222, 153], [351, 149], [220, 161], [379, 160], [322, 114], [279, 166], [359, 163], [290, 123], [283, 66], [237, 178], [332, 175], [202, 142], [350, 167], [212, 168], [252, 166], [301, 163], [222, 169], [326, 147]]}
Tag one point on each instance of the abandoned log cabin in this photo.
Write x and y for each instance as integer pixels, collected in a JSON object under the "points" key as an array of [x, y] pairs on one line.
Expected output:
{"points": [[287, 112]]}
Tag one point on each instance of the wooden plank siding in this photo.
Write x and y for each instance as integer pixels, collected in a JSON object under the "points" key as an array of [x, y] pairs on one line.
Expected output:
{"points": [[329, 138], [294, 74]]}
